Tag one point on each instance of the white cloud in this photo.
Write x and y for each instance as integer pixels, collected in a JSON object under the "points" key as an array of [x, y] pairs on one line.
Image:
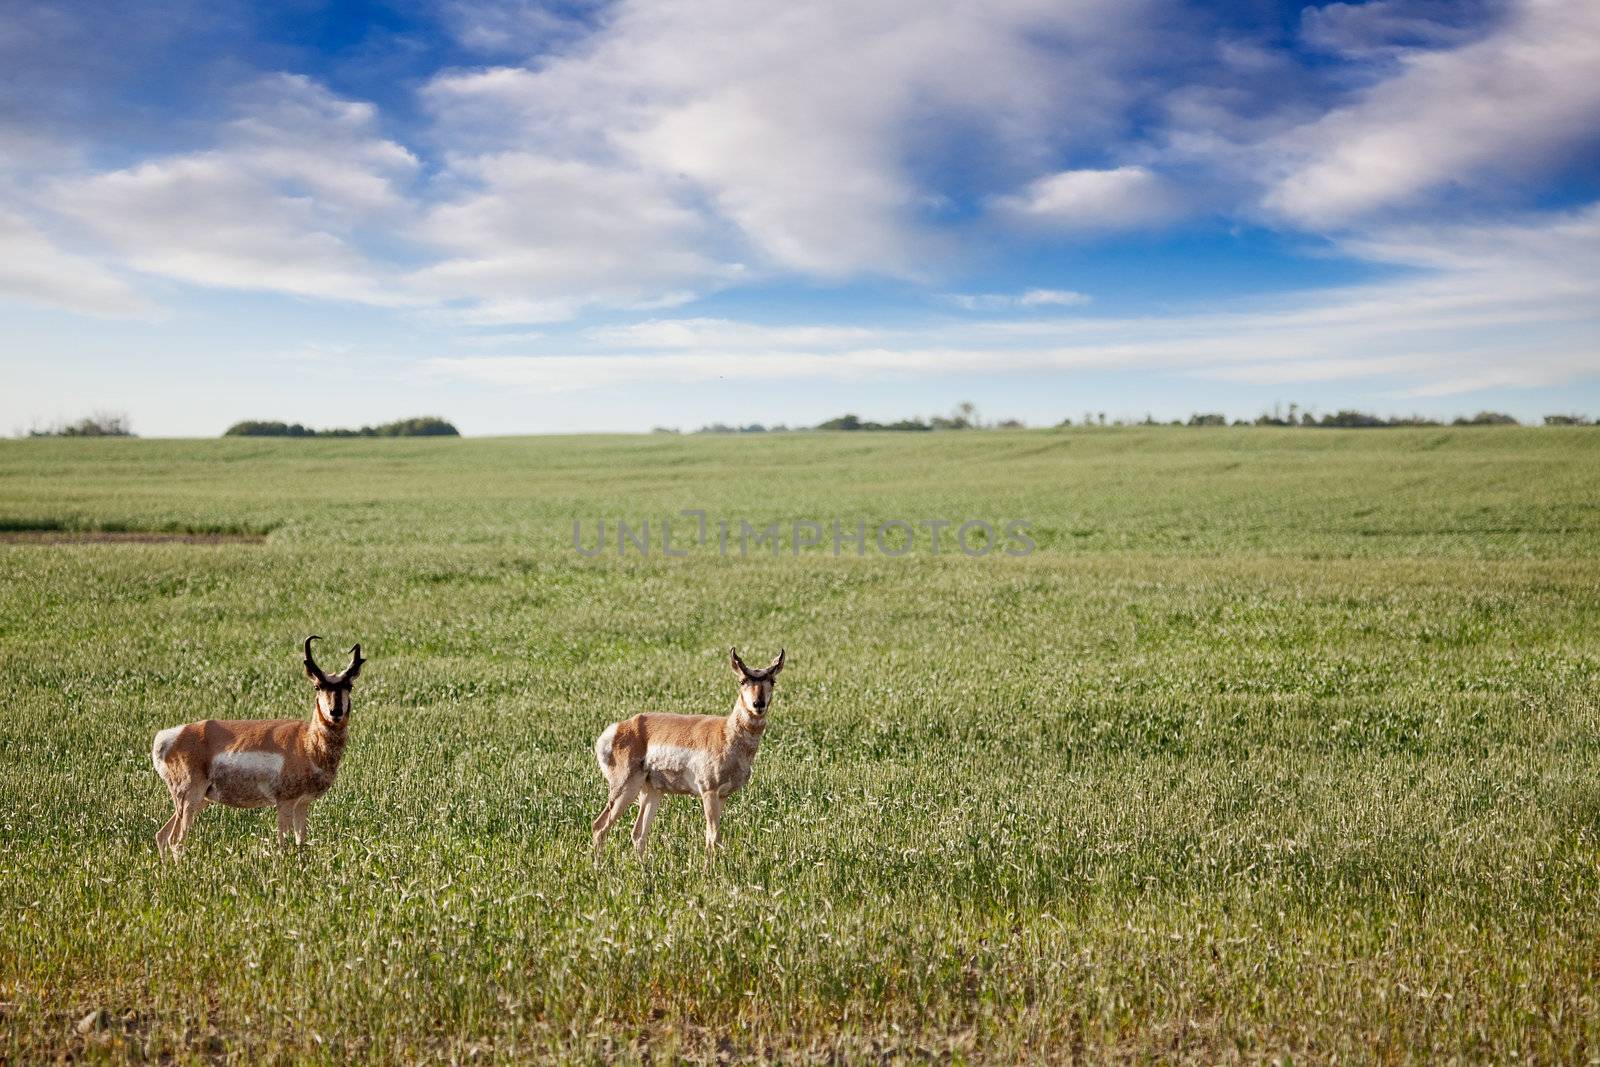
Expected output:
{"points": [[703, 333], [1032, 298], [38, 271], [1119, 198], [539, 239], [1293, 372], [1500, 106], [511, 339], [1466, 321], [519, 28], [1383, 28], [277, 206], [798, 126], [1052, 298]]}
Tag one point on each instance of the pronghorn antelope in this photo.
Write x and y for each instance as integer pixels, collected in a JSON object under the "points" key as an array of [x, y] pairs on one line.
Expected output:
{"points": [[257, 763], [708, 756]]}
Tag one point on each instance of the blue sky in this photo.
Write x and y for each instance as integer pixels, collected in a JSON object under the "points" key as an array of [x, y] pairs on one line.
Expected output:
{"points": [[557, 217]]}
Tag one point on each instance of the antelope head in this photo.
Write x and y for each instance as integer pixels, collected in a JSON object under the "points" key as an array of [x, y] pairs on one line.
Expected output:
{"points": [[333, 690], [755, 686]]}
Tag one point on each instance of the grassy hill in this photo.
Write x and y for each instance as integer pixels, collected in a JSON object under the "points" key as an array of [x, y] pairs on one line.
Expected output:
{"points": [[1280, 742]]}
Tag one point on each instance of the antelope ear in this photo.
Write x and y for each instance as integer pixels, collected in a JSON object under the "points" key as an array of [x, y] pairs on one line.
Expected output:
{"points": [[775, 666], [739, 669], [356, 661], [312, 670]]}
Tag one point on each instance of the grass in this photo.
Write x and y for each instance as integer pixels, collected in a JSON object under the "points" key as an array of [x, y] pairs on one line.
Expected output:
{"points": [[1281, 745]]}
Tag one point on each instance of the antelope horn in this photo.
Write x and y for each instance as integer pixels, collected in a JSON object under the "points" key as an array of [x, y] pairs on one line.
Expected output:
{"points": [[355, 662], [312, 670]]}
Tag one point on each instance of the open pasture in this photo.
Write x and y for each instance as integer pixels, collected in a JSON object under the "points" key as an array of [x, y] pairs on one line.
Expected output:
{"points": [[1282, 743]]}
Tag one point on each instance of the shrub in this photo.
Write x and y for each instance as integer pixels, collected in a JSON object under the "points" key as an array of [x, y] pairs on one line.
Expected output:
{"points": [[855, 422], [420, 426], [259, 428], [722, 427], [100, 424], [1351, 420], [1487, 418]]}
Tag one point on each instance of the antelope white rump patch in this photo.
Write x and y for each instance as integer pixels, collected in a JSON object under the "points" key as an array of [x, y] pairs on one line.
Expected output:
{"points": [[162, 745], [602, 748]]}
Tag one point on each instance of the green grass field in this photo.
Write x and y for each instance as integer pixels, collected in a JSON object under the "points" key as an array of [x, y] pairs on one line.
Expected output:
{"points": [[1283, 744]]}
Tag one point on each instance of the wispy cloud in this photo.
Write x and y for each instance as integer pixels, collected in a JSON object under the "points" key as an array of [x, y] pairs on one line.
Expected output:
{"points": [[700, 333], [1032, 298], [278, 205], [795, 126], [1119, 198], [1389, 29], [1495, 108], [1444, 330], [37, 270], [538, 239]]}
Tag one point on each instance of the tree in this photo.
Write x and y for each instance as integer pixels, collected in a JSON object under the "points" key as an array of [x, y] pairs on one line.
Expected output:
{"points": [[100, 424], [419, 426], [1349, 419], [843, 422]]}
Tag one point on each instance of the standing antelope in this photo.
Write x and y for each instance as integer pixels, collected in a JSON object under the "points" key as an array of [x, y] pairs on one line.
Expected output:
{"points": [[257, 763], [708, 756]]}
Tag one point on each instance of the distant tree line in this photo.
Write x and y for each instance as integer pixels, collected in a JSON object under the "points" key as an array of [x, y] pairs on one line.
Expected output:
{"points": [[1345, 420], [916, 425], [1361, 420], [421, 426], [100, 424], [965, 417]]}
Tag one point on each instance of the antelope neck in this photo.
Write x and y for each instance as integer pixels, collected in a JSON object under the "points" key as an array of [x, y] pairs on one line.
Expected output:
{"points": [[751, 721], [326, 738]]}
